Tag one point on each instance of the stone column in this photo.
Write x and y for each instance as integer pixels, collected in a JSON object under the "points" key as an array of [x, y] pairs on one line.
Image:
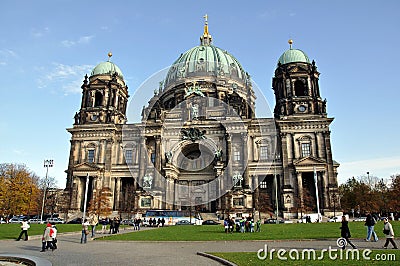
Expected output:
{"points": [[300, 188], [244, 159], [228, 181], [325, 189], [285, 159], [320, 145], [143, 159], [82, 153], [117, 192], [157, 163], [314, 146], [289, 139], [329, 161]]}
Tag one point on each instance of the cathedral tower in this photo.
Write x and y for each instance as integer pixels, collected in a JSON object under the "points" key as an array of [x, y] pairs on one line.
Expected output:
{"points": [[303, 125]]}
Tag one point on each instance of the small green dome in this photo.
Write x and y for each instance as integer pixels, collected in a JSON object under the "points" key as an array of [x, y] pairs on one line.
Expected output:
{"points": [[106, 68], [293, 56], [203, 61]]}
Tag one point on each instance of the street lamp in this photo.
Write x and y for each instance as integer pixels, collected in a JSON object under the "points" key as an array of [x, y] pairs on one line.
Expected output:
{"points": [[86, 198], [47, 164]]}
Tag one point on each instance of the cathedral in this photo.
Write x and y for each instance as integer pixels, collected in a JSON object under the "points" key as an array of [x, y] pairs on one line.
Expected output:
{"points": [[199, 144]]}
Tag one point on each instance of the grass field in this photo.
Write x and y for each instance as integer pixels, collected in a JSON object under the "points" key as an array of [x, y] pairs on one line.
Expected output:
{"points": [[268, 232], [377, 257], [12, 231]]}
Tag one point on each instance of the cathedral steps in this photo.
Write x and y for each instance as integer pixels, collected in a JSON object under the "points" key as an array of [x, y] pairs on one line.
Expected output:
{"points": [[208, 216]]}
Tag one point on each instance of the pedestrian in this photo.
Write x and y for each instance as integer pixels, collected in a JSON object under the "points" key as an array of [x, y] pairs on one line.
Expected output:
{"points": [[24, 230], [112, 225], [345, 232], [258, 225], [85, 231], [103, 225], [93, 222], [162, 222], [54, 236], [252, 226], [226, 225], [47, 240], [370, 223], [116, 225], [242, 221], [389, 233]]}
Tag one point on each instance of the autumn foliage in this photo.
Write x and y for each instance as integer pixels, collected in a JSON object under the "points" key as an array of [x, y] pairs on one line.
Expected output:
{"points": [[19, 190]]}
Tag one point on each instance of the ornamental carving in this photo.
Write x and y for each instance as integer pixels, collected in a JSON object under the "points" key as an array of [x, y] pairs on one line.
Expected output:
{"points": [[193, 134]]}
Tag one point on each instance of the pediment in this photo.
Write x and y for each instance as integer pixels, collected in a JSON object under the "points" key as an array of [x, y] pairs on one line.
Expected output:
{"points": [[98, 81], [307, 161], [86, 167]]}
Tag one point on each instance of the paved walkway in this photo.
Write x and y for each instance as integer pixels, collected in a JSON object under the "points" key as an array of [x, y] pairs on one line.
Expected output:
{"points": [[71, 252]]}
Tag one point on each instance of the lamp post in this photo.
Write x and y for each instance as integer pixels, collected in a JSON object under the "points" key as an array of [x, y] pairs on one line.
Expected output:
{"points": [[86, 196], [46, 164], [369, 181], [276, 196]]}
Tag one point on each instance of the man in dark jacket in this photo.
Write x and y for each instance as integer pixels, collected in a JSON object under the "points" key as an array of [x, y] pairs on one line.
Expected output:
{"points": [[370, 223]]}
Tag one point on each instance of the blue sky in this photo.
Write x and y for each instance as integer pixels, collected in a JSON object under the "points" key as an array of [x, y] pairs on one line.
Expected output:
{"points": [[46, 48]]}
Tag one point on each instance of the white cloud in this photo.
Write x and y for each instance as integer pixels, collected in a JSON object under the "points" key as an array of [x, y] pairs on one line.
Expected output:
{"points": [[20, 152], [39, 33], [68, 78], [6, 55], [380, 167], [81, 40]]}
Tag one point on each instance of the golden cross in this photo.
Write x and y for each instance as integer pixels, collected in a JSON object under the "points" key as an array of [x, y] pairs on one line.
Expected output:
{"points": [[205, 19]]}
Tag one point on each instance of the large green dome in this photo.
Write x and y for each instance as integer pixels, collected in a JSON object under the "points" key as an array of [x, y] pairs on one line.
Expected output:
{"points": [[106, 68], [205, 61], [293, 56]]}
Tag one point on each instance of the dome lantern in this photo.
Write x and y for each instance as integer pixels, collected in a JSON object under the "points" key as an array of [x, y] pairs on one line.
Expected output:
{"points": [[206, 38]]}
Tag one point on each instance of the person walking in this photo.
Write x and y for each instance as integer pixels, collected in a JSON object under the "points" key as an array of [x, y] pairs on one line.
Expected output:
{"points": [[54, 236], [47, 239], [345, 232], [389, 233], [370, 223], [24, 230], [258, 225], [93, 222], [103, 225], [85, 231], [112, 225]]}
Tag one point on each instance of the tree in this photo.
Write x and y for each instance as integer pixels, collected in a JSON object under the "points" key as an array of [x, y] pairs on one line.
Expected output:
{"points": [[364, 194], [393, 194], [100, 204], [18, 190], [263, 203]]}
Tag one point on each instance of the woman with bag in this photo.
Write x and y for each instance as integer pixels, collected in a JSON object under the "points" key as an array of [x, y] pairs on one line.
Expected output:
{"points": [[345, 232], [85, 231], [389, 233]]}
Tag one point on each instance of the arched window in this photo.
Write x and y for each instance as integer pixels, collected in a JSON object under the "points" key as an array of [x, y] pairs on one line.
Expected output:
{"points": [[300, 88], [98, 99]]}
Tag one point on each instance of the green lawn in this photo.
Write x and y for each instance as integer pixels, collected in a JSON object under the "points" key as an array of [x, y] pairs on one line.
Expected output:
{"points": [[251, 259], [268, 232], [12, 231]]}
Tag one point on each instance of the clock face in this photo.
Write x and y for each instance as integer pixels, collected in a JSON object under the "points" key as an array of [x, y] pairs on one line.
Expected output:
{"points": [[301, 108], [94, 117]]}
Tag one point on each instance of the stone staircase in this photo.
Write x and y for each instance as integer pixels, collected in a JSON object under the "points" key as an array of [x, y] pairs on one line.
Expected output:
{"points": [[208, 216]]}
